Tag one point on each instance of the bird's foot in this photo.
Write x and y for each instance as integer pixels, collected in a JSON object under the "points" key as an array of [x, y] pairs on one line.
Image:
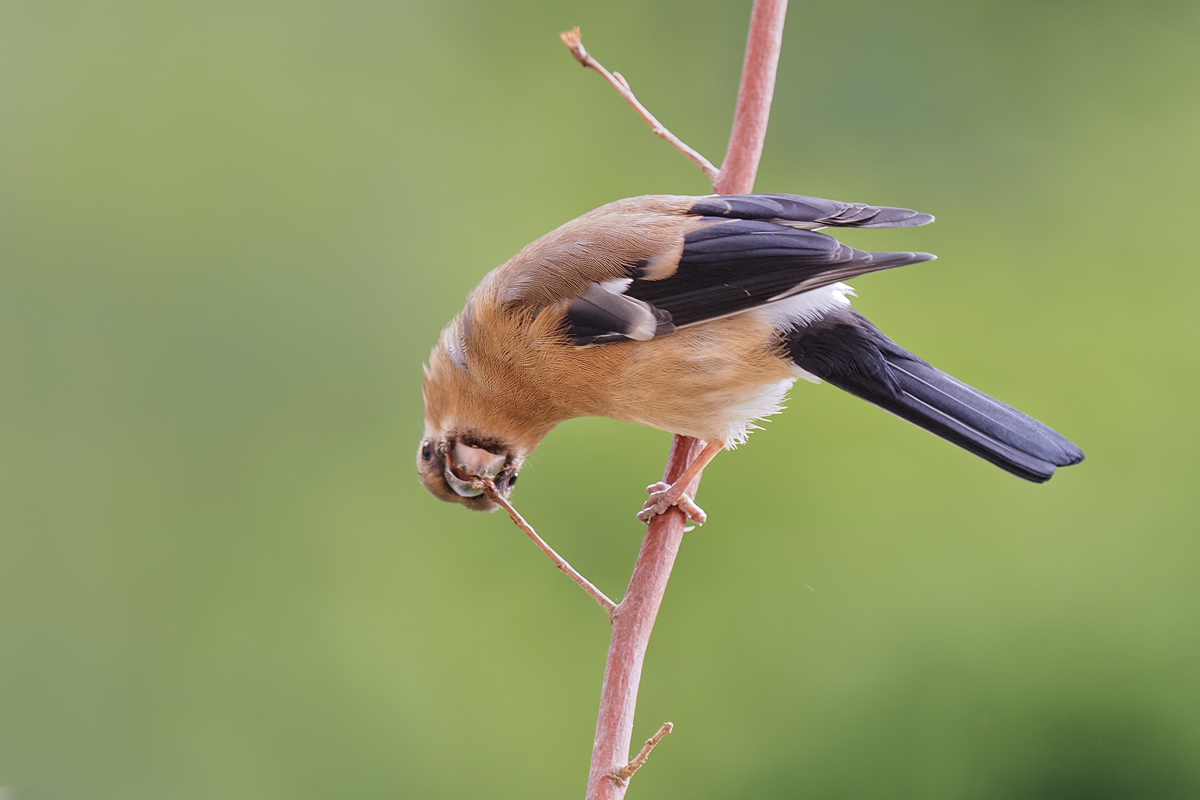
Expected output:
{"points": [[663, 496]]}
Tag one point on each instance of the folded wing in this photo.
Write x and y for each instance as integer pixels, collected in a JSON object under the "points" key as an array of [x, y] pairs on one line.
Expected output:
{"points": [[740, 252]]}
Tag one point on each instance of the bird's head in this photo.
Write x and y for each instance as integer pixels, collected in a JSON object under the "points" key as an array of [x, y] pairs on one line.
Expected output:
{"points": [[450, 465], [479, 424]]}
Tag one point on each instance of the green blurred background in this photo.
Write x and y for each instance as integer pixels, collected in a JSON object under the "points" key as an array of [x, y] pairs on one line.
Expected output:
{"points": [[231, 231]]}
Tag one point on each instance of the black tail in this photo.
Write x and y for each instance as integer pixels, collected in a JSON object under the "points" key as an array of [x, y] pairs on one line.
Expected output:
{"points": [[845, 349]]}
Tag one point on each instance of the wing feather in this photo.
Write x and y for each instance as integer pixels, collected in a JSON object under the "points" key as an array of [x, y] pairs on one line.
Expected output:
{"points": [[643, 267], [728, 266]]}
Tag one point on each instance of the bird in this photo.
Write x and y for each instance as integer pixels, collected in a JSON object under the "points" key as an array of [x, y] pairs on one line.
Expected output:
{"points": [[694, 315]]}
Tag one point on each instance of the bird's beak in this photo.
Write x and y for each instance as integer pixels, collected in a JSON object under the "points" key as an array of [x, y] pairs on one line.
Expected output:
{"points": [[474, 462]]}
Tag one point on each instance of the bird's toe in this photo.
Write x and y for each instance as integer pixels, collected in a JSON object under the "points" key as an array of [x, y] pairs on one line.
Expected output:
{"points": [[663, 496]]}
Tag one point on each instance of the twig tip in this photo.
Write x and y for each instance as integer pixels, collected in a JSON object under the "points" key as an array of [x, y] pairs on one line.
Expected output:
{"points": [[574, 42]]}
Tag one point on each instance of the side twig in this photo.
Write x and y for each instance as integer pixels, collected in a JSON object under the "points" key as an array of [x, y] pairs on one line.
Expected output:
{"points": [[574, 43], [600, 597], [626, 772]]}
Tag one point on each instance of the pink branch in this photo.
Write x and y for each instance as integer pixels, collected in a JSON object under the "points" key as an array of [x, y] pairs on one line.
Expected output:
{"points": [[633, 619], [632, 624], [754, 98]]}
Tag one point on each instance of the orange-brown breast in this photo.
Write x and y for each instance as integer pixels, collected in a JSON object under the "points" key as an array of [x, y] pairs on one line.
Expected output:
{"points": [[523, 377]]}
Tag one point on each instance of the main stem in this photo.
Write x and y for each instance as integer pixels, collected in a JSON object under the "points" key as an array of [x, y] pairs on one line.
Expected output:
{"points": [[754, 98], [634, 618], [632, 623]]}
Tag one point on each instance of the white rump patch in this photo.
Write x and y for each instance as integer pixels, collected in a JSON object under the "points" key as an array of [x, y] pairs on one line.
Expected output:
{"points": [[807, 307], [804, 309]]}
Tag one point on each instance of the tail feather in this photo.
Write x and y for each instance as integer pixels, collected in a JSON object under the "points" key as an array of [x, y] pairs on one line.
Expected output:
{"points": [[846, 350]]}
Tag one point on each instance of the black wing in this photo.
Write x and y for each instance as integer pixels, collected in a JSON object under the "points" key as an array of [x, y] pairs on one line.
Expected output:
{"points": [[845, 349], [747, 250]]}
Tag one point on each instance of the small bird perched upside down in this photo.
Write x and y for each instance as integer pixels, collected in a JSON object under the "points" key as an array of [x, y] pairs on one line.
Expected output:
{"points": [[694, 315]]}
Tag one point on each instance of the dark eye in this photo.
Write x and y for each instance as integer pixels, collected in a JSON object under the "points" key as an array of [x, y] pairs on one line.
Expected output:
{"points": [[513, 480], [426, 450]]}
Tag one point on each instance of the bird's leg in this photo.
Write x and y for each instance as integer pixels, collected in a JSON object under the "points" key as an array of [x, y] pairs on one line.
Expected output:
{"points": [[664, 495]]}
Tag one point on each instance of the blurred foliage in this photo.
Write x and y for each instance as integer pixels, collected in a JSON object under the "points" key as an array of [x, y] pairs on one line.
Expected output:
{"points": [[230, 231]]}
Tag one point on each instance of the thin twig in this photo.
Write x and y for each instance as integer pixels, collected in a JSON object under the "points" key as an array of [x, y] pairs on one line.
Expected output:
{"points": [[626, 772], [600, 597], [574, 43]]}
